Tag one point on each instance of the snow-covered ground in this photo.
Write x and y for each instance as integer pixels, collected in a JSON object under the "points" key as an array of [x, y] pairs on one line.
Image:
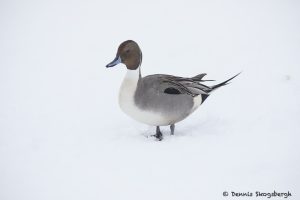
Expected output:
{"points": [[63, 136]]}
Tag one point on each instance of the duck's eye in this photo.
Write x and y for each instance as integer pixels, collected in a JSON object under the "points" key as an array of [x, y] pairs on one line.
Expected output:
{"points": [[127, 51]]}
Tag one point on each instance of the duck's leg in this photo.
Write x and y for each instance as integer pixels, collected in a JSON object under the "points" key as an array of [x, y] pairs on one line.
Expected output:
{"points": [[158, 134], [172, 127]]}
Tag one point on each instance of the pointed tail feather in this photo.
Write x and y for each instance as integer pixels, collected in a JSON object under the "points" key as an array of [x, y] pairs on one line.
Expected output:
{"points": [[223, 83]]}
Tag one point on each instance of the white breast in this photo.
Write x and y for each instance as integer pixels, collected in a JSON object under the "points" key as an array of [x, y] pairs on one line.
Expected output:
{"points": [[126, 102]]}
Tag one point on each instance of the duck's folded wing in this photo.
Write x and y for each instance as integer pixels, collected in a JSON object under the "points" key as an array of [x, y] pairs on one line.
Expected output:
{"points": [[179, 85]]}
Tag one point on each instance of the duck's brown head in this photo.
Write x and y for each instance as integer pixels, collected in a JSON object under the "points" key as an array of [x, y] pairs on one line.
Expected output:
{"points": [[130, 54]]}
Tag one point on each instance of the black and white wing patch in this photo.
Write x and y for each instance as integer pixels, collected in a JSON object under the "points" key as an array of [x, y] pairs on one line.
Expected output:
{"points": [[180, 85], [172, 90]]}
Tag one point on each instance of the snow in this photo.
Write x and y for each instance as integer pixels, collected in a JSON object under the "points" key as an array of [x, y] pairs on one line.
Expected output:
{"points": [[63, 136]]}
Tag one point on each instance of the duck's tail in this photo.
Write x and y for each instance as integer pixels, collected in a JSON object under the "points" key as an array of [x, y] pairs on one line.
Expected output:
{"points": [[214, 87]]}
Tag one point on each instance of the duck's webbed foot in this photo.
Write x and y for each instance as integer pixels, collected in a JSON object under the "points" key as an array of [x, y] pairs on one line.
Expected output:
{"points": [[172, 127], [158, 135]]}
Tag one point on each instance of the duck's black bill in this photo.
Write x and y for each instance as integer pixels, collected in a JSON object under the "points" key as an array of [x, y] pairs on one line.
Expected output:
{"points": [[116, 61]]}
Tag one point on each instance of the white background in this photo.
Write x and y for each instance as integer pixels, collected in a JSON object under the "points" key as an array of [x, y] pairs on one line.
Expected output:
{"points": [[63, 136]]}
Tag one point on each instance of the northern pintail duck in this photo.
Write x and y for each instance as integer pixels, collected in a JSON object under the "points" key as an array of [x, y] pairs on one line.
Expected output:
{"points": [[159, 99]]}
